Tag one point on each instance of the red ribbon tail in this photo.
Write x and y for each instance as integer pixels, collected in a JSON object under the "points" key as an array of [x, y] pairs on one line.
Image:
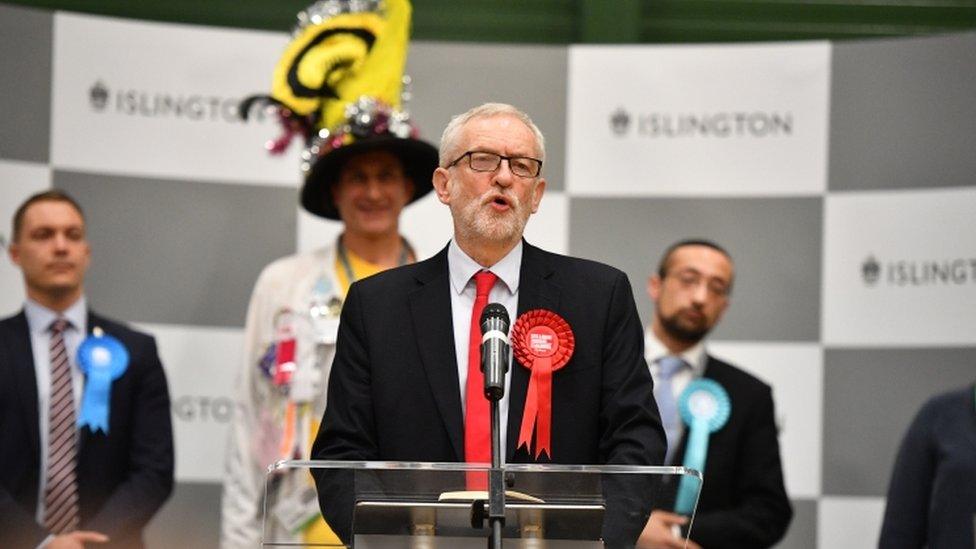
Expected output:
{"points": [[543, 441], [529, 415]]}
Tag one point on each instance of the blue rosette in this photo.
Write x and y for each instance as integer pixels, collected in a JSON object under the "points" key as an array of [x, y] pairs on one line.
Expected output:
{"points": [[705, 407], [102, 359]]}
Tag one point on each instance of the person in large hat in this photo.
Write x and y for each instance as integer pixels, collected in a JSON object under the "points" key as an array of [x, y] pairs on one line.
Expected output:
{"points": [[339, 86]]}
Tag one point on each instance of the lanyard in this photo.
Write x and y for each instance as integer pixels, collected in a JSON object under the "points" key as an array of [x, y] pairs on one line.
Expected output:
{"points": [[405, 251]]}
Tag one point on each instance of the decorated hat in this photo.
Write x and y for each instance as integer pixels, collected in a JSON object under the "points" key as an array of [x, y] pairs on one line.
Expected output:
{"points": [[340, 85]]}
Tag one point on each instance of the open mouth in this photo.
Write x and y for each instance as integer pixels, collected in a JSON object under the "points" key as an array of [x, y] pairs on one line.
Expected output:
{"points": [[500, 202]]}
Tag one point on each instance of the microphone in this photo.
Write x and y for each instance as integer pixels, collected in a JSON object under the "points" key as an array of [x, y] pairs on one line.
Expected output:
{"points": [[495, 349]]}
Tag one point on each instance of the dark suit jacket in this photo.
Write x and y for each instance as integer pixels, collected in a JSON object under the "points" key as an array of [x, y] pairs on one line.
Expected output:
{"points": [[743, 502], [394, 391], [123, 477]]}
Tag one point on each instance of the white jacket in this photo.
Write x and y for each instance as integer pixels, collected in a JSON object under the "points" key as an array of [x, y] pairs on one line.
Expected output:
{"points": [[292, 283]]}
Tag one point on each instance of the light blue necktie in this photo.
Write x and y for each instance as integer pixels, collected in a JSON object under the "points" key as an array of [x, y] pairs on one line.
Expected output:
{"points": [[667, 404]]}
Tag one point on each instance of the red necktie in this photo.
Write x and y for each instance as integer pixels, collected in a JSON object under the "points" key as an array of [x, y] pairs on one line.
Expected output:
{"points": [[477, 424], [61, 491]]}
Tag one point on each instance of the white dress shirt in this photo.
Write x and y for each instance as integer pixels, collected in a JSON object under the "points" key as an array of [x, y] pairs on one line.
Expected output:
{"points": [[39, 319], [462, 269]]}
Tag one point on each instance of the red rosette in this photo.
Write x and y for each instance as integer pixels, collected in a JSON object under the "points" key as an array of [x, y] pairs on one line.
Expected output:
{"points": [[543, 342]]}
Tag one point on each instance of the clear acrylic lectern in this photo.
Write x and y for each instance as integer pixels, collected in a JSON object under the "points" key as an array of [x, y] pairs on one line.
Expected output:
{"points": [[386, 505]]}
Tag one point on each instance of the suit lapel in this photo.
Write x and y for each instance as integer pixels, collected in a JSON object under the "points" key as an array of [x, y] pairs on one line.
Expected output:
{"points": [[24, 377], [430, 309], [537, 290]]}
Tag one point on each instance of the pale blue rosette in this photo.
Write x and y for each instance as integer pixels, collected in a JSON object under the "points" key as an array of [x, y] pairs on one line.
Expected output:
{"points": [[102, 359], [705, 408]]}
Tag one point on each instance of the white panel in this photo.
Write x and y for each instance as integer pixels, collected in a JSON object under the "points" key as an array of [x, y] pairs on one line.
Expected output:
{"points": [[315, 232], [900, 268], [549, 227], [161, 100], [18, 181], [427, 224], [849, 522], [795, 371], [729, 120], [201, 368]]}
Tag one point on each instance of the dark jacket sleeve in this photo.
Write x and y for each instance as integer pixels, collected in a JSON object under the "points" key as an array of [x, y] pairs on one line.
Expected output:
{"points": [[18, 527], [630, 424], [347, 431], [906, 514], [761, 511]]}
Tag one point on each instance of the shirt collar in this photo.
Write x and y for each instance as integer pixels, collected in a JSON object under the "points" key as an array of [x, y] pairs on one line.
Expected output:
{"points": [[654, 350], [39, 317], [461, 267]]}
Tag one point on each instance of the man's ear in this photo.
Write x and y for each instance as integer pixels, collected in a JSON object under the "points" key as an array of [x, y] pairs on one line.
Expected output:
{"points": [[540, 189], [654, 287], [13, 250], [442, 185]]}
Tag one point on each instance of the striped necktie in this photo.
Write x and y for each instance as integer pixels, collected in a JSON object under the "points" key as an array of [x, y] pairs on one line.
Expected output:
{"points": [[61, 490]]}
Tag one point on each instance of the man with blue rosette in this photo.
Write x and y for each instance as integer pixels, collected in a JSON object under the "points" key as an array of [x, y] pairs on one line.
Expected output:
{"points": [[718, 418], [86, 443]]}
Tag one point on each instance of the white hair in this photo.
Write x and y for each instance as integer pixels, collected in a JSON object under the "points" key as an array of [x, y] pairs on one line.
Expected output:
{"points": [[448, 148]]}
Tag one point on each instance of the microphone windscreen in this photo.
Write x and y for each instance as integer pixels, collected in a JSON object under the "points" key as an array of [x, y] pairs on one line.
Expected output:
{"points": [[497, 312]]}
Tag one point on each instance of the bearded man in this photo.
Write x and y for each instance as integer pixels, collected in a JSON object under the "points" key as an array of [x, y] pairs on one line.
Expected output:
{"points": [[406, 383], [743, 502]]}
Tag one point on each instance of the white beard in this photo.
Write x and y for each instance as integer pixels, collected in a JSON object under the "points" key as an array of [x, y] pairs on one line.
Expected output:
{"points": [[475, 221]]}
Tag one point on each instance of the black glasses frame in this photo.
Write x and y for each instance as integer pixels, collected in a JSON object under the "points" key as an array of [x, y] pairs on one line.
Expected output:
{"points": [[499, 163]]}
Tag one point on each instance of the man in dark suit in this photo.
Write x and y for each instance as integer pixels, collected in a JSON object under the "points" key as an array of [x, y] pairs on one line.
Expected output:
{"points": [[61, 485], [405, 384], [743, 502]]}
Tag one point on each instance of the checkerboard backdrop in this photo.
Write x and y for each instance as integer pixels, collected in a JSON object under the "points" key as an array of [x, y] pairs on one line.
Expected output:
{"points": [[839, 175]]}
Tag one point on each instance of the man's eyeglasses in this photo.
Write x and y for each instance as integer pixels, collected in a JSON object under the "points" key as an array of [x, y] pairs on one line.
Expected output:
{"points": [[694, 279], [481, 161]]}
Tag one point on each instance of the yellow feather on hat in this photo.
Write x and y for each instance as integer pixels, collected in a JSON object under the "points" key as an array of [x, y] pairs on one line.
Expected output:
{"points": [[331, 63], [339, 84]]}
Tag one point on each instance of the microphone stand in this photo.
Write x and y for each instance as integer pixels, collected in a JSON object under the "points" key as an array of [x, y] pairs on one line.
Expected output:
{"points": [[496, 477], [494, 366]]}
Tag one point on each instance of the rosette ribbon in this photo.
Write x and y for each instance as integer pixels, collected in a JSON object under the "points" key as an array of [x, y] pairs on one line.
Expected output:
{"points": [[102, 359], [705, 407], [542, 342]]}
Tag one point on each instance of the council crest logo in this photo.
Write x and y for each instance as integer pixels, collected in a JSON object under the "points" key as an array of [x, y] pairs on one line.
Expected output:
{"points": [[98, 96], [620, 121], [870, 271]]}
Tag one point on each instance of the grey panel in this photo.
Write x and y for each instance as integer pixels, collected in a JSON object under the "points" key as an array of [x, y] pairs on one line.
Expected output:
{"points": [[802, 533], [870, 398], [450, 78], [25, 88], [189, 520], [902, 113], [775, 243], [179, 252]]}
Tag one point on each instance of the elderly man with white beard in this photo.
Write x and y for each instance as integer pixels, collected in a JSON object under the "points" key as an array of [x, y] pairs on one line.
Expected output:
{"points": [[406, 383]]}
